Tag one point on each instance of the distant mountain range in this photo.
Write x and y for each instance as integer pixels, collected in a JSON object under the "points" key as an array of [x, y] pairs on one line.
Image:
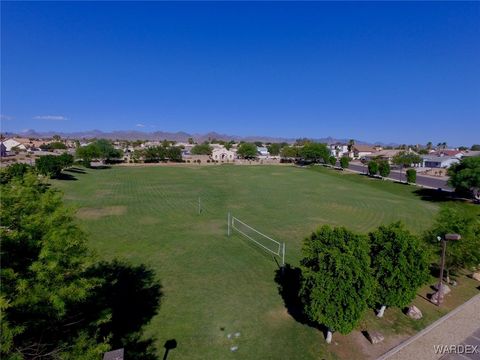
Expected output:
{"points": [[174, 136]]}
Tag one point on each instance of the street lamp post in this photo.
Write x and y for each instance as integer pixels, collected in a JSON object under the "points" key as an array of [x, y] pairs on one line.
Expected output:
{"points": [[454, 237]]}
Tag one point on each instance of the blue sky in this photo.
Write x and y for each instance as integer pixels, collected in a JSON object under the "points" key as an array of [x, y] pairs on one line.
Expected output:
{"points": [[393, 72]]}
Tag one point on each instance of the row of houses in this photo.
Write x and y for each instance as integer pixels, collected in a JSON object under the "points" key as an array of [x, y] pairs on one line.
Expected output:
{"points": [[434, 159]]}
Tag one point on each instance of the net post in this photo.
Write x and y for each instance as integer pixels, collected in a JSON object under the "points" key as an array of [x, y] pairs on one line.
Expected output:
{"points": [[228, 224], [283, 258], [199, 206]]}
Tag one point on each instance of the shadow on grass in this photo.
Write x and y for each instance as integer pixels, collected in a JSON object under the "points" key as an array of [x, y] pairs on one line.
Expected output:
{"points": [[100, 167], [128, 298], [436, 195], [75, 170], [64, 176], [169, 345], [289, 282]]}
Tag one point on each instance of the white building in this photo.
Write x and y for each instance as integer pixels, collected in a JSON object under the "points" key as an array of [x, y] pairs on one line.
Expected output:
{"points": [[222, 154], [262, 152], [338, 150], [12, 143], [439, 161]]}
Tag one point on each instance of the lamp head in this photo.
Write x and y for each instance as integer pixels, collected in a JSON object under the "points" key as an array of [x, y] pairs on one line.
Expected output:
{"points": [[454, 237]]}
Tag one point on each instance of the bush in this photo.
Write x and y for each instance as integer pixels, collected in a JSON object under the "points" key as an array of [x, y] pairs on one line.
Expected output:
{"points": [[49, 165], [372, 168], [344, 162], [412, 176], [384, 168]]}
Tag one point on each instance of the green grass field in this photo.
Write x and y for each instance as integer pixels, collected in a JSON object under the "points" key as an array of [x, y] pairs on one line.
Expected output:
{"points": [[149, 215]]}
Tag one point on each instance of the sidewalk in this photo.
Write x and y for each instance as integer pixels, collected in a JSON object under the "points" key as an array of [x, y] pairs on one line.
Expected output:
{"points": [[452, 329]]}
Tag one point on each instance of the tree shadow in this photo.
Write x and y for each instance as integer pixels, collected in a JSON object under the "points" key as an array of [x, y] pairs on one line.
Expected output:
{"points": [[100, 167], [128, 298], [64, 176], [435, 195], [75, 170], [288, 280]]}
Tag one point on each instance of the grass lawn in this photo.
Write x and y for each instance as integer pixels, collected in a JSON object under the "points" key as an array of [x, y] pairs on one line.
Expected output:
{"points": [[212, 282]]}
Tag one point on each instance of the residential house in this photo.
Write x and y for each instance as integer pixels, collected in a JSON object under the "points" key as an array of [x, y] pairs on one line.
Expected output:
{"points": [[338, 150], [361, 151], [262, 152], [439, 161], [12, 143], [222, 154]]}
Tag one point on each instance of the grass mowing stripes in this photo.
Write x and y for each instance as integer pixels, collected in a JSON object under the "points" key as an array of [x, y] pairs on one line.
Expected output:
{"points": [[211, 281]]}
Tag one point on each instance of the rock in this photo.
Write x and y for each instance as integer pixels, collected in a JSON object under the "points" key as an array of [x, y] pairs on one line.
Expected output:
{"points": [[414, 312], [476, 275], [453, 283], [229, 336], [375, 337], [233, 348], [445, 288], [237, 334]]}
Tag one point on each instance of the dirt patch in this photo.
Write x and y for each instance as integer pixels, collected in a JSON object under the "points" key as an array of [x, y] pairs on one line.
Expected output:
{"points": [[278, 316], [97, 213]]}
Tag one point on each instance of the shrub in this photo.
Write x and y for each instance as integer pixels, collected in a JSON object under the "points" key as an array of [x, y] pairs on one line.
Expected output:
{"points": [[412, 176]]}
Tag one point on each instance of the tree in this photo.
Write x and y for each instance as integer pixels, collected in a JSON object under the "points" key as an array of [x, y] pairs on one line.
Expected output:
{"points": [[411, 176], [290, 152], [258, 143], [101, 149], [202, 149], [55, 302], [190, 141], [404, 159], [332, 160], [429, 145], [336, 283], [400, 265], [315, 152], [383, 168], [154, 154], [174, 153], [372, 168], [475, 147], [49, 165], [344, 162], [65, 160], [247, 151], [351, 144], [56, 145], [228, 145], [274, 149], [56, 137], [44, 259], [17, 170], [465, 176], [464, 252]]}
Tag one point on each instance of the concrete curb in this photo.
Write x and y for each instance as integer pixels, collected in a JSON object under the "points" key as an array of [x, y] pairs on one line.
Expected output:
{"points": [[427, 329]]}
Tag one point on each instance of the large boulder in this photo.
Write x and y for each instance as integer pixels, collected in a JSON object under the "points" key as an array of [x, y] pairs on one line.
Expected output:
{"points": [[414, 312], [445, 288], [374, 337], [476, 275]]}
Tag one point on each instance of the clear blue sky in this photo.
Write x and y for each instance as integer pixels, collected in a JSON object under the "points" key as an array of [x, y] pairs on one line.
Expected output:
{"points": [[392, 72]]}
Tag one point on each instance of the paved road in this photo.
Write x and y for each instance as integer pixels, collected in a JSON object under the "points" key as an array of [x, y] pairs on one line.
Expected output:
{"points": [[421, 180], [467, 350]]}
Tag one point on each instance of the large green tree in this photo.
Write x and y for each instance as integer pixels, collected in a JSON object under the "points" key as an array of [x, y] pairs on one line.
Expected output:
{"points": [[247, 151], [55, 302], [49, 165], [202, 149], [44, 259], [337, 283], [400, 265], [315, 152], [465, 176], [462, 253], [101, 149], [274, 149]]}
